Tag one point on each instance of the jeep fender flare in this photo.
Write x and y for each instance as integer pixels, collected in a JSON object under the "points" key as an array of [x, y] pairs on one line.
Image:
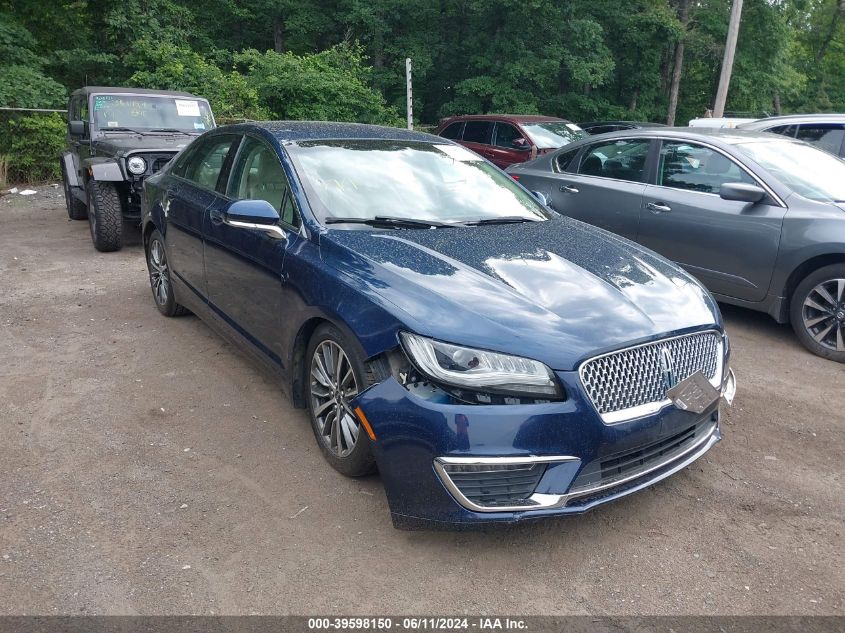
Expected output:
{"points": [[103, 170], [70, 170]]}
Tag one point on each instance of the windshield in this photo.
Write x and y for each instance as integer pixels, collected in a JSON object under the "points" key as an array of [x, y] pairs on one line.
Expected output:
{"points": [[365, 179], [553, 134], [808, 171], [146, 113]]}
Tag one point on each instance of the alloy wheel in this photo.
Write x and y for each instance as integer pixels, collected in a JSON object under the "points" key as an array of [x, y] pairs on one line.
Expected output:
{"points": [[159, 276], [333, 385], [823, 314]]}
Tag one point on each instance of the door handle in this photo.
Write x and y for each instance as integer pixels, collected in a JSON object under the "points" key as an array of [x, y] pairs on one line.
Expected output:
{"points": [[568, 189], [216, 216], [658, 207]]}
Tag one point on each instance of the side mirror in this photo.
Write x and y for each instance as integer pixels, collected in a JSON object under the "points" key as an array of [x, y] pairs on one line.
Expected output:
{"points": [[76, 128], [521, 143], [741, 192], [254, 214], [541, 197]]}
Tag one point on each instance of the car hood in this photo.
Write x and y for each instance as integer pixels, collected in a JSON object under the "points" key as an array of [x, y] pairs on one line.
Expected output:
{"points": [[558, 291], [123, 144]]}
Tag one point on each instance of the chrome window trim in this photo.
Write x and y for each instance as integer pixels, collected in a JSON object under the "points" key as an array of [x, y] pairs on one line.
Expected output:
{"points": [[632, 413], [545, 501]]}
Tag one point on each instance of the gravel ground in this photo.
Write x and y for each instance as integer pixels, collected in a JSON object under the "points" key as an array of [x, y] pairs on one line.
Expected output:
{"points": [[148, 468]]}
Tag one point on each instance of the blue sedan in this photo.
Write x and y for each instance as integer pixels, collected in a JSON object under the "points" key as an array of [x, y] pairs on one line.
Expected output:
{"points": [[494, 361]]}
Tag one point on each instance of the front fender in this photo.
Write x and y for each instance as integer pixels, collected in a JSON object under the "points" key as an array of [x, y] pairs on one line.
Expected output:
{"points": [[70, 169], [104, 169]]}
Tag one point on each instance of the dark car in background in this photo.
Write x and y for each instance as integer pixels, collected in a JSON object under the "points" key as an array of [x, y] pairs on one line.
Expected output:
{"points": [[508, 139], [826, 131], [116, 138], [494, 360], [602, 127], [759, 219]]}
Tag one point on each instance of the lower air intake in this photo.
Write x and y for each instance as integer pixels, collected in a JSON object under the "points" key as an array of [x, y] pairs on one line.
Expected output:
{"points": [[494, 485]]}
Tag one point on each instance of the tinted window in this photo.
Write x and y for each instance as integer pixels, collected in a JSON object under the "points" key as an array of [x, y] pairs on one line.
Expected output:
{"points": [[784, 130], [258, 175], [621, 160], [828, 136], [602, 129], [697, 168], [453, 131], [205, 161], [563, 160], [478, 131], [506, 134]]}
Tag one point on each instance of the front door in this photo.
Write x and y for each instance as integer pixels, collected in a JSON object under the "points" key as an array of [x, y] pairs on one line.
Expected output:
{"points": [[730, 246], [244, 267], [505, 151], [607, 188]]}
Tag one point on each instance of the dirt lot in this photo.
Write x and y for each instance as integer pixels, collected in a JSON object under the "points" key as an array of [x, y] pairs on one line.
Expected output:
{"points": [[148, 468]]}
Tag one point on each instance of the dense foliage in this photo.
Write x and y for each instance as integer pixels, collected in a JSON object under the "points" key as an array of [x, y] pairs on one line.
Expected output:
{"points": [[344, 59]]}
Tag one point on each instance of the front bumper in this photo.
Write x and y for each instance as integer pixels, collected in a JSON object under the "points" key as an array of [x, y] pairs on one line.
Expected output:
{"points": [[584, 461]]}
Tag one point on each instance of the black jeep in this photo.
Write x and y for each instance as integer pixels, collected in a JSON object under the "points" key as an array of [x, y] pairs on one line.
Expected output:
{"points": [[116, 138]]}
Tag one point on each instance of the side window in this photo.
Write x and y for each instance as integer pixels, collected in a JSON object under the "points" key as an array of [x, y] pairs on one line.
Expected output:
{"points": [[697, 168], [563, 160], [258, 175], [478, 132], [453, 131], [784, 130], [827, 136], [620, 160], [82, 109], [73, 109], [205, 161], [506, 134]]}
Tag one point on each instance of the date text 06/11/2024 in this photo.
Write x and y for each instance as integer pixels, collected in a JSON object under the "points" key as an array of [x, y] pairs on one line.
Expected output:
{"points": [[417, 624]]}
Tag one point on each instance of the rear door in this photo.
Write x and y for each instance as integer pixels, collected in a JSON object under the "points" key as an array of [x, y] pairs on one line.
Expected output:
{"points": [[504, 151], [607, 185], [244, 267], [193, 187], [730, 246]]}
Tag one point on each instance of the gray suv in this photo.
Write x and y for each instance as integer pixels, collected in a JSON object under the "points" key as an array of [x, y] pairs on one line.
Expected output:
{"points": [[759, 219], [823, 130], [117, 137]]}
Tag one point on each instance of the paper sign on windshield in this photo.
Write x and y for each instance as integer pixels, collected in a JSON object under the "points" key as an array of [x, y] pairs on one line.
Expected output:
{"points": [[187, 108]]}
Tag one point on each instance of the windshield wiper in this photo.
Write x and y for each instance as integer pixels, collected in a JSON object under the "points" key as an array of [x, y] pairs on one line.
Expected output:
{"points": [[384, 221], [173, 130], [514, 219], [123, 129]]}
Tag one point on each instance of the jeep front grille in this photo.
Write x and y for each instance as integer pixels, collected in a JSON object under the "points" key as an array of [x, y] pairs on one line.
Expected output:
{"points": [[633, 382]]}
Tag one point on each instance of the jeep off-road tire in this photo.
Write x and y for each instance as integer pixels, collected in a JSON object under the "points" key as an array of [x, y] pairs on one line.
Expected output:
{"points": [[76, 209], [105, 216]]}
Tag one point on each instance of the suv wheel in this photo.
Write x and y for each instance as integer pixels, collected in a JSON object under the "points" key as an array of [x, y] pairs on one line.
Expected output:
{"points": [[335, 376], [160, 281], [105, 216], [76, 209], [817, 312]]}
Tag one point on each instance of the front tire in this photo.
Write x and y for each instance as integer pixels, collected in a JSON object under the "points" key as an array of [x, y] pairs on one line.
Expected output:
{"points": [[160, 281], [817, 312], [335, 375], [105, 216]]}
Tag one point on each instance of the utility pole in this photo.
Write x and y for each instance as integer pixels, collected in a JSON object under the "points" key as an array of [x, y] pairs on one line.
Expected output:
{"points": [[409, 95], [728, 59]]}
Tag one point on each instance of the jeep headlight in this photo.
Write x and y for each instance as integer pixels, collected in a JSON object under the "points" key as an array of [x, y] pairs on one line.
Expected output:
{"points": [[479, 369], [136, 165]]}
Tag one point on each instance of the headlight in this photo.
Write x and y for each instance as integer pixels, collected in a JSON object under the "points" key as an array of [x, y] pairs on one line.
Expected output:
{"points": [[479, 369], [136, 165]]}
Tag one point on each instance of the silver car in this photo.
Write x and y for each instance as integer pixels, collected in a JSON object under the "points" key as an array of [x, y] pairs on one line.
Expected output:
{"points": [[759, 219]]}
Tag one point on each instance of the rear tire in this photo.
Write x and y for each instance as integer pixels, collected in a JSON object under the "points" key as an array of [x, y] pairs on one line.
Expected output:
{"points": [[817, 312], [160, 281], [335, 374], [76, 209], [105, 216]]}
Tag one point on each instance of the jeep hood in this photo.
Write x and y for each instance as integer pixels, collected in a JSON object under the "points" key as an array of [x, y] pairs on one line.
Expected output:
{"points": [[123, 144], [559, 291]]}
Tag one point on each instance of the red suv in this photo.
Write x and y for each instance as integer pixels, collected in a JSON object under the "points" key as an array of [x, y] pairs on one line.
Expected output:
{"points": [[506, 139]]}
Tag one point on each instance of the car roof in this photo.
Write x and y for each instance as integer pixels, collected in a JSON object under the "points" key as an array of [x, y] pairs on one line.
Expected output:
{"points": [[518, 118], [88, 90], [792, 118], [294, 131], [634, 123], [726, 136]]}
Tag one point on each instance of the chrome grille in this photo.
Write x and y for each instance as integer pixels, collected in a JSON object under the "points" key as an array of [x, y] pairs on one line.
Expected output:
{"points": [[622, 381]]}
